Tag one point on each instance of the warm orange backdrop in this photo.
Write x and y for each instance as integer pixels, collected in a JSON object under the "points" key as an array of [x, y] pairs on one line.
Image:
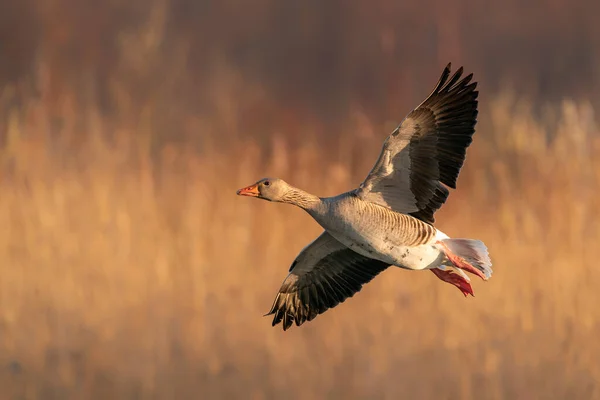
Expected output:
{"points": [[129, 268]]}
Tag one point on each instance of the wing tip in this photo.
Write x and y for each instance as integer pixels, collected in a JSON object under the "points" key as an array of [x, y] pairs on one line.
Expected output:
{"points": [[286, 318], [447, 84], [443, 77]]}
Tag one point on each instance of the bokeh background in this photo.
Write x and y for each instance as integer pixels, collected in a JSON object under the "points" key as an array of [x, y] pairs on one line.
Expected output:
{"points": [[130, 270]]}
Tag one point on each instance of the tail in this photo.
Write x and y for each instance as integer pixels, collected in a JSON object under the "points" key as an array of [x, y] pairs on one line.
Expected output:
{"points": [[470, 255]]}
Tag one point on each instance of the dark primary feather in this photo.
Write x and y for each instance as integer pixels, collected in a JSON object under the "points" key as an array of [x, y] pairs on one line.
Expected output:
{"points": [[426, 151], [323, 275], [449, 116]]}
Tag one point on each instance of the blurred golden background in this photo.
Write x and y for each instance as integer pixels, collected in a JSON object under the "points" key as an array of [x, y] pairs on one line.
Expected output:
{"points": [[130, 270]]}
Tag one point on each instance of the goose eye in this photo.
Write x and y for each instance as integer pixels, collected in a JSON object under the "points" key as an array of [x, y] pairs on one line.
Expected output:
{"points": [[267, 183]]}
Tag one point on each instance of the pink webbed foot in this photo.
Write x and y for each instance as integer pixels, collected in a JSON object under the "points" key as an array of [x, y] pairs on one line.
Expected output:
{"points": [[450, 277]]}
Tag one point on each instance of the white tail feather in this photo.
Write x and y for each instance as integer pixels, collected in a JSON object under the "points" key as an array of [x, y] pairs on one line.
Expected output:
{"points": [[473, 251]]}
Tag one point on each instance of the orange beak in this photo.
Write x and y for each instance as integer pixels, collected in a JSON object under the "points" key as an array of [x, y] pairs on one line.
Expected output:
{"points": [[251, 191]]}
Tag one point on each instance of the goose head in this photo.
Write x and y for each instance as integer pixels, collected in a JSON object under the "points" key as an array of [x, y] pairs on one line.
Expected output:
{"points": [[271, 189]]}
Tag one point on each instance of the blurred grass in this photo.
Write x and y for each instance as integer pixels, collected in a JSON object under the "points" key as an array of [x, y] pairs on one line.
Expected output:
{"points": [[131, 270]]}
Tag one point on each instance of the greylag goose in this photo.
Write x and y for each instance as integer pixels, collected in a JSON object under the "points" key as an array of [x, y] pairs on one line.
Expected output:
{"points": [[388, 220]]}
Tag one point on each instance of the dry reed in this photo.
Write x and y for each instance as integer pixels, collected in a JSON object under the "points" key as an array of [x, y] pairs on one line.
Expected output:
{"points": [[130, 272]]}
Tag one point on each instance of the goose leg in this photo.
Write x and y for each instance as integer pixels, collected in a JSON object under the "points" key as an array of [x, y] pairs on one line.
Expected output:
{"points": [[450, 277]]}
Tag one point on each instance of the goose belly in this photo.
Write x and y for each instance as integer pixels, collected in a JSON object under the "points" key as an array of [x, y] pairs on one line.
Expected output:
{"points": [[382, 234], [384, 248]]}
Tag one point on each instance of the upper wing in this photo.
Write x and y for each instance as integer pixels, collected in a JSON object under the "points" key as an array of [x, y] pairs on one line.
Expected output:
{"points": [[427, 149], [324, 274]]}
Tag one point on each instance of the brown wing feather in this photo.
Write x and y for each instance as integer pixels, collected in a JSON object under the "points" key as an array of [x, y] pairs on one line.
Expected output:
{"points": [[426, 151], [323, 275]]}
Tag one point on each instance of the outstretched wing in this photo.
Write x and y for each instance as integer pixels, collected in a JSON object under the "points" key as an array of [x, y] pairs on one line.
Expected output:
{"points": [[425, 151], [324, 274]]}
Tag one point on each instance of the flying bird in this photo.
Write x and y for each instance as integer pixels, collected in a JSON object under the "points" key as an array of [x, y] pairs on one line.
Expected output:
{"points": [[389, 219]]}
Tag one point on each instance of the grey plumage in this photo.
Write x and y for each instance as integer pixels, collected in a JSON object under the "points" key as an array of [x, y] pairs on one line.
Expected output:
{"points": [[388, 220], [327, 272]]}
